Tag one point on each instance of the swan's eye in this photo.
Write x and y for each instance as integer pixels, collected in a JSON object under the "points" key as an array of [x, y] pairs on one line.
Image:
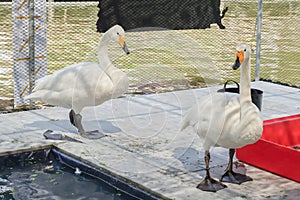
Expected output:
{"points": [[245, 50], [117, 33]]}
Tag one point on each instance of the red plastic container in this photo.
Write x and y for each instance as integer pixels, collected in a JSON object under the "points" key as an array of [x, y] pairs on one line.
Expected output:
{"points": [[278, 150]]}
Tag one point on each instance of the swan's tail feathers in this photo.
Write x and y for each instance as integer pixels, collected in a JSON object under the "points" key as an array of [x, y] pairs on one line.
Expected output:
{"points": [[35, 96], [184, 124], [188, 119]]}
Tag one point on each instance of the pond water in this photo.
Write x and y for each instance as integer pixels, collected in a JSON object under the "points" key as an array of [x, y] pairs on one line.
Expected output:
{"points": [[35, 176], [159, 65]]}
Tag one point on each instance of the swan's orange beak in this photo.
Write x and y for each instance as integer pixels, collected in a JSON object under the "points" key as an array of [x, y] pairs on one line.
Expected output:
{"points": [[240, 55], [123, 44], [239, 60]]}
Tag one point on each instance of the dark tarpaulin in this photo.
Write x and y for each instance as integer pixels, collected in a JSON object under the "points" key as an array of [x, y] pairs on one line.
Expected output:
{"points": [[169, 14]]}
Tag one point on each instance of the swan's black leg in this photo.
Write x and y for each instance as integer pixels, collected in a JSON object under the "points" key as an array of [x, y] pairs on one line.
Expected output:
{"points": [[230, 176], [76, 119], [71, 116], [209, 184]]}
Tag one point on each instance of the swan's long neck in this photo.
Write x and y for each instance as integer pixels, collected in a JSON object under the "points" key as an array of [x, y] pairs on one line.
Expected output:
{"points": [[103, 58], [245, 87], [104, 61]]}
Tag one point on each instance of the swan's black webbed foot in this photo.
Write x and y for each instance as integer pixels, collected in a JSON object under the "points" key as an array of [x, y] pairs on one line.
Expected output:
{"points": [[211, 185], [49, 135], [76, 119], [232, 177], [92, 135], [235, 178], [52, 136]]}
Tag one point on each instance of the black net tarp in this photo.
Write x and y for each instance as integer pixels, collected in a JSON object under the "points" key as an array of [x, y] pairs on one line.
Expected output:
{"points": [[188, 14]]}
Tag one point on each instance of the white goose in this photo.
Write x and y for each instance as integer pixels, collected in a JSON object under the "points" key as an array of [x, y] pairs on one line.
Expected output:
{"points": [[85, 84], [227, 120]]}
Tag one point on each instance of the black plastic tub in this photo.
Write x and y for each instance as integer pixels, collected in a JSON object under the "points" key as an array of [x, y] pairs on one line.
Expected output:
{"points": [[51, 174], [256, 94]]}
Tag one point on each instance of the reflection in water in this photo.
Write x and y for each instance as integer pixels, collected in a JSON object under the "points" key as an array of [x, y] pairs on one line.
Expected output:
{"points": [[40, 179]]}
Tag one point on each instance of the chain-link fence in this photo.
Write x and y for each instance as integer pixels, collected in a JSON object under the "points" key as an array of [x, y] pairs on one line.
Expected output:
{"points": [[165, 60], [281, 42]]}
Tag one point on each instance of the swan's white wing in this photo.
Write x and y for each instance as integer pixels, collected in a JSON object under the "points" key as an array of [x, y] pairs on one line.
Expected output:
{"points": [[208, 116], [204, 109], [217, 119], [76, 85], [60, 79]]}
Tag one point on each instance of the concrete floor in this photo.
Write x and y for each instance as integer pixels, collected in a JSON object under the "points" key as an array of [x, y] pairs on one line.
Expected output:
{"points": [[144, 145]]}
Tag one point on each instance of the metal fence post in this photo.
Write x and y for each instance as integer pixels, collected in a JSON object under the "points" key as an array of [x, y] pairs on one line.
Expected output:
{"points": [[31, 48], [258, 40]]}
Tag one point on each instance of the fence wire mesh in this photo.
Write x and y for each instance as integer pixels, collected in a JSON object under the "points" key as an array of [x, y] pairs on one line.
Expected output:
{"points": [[166, 60]]}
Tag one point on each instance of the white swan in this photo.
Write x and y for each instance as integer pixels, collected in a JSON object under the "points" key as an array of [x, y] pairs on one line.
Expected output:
{"points": [[85, 84], [227, 120]]}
